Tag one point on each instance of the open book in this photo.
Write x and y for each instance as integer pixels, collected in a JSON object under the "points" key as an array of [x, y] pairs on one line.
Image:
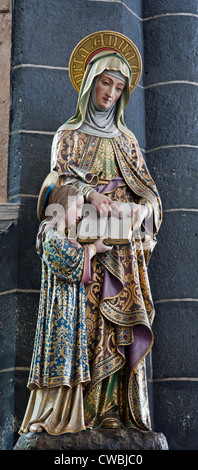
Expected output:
{"points": [[117, 230]]}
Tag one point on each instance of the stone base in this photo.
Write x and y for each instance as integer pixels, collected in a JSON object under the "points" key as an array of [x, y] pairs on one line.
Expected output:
{"points": [[100, 439]]}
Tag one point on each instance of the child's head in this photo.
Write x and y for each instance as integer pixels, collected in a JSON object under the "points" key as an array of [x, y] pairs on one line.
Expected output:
{"points": [[69, 201], [64, 208]]}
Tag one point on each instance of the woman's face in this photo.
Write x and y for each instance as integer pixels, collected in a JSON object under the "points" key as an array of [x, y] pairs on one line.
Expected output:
{"points": [[108, 89], [74, 212]]}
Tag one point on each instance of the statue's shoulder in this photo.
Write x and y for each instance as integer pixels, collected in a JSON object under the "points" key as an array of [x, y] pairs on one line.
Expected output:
{"points": [[73, 134], [69, 139], [125, 140]]}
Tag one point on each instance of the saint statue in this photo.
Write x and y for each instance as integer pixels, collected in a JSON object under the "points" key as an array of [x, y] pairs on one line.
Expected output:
{"points": [[94, 326]]}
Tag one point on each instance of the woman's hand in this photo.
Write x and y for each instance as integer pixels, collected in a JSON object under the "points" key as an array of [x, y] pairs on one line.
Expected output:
{"points": [[100, 246], [103, 204], [138, 214]]}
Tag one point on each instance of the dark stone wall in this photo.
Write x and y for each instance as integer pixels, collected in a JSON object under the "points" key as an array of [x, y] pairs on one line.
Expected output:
{"points": [[170, 38], [163, 118]]}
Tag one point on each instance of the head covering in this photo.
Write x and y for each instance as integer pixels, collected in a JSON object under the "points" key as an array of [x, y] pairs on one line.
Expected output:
{"points": [[116, 74], [98, 121], [105, 60]]}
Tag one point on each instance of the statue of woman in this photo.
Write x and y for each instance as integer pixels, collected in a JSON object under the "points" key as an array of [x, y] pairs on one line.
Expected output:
{"points": [[96, 152]]}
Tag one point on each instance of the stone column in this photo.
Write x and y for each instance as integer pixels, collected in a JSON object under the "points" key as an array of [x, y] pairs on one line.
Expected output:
{"points": [[5, 55], [170, 83]]}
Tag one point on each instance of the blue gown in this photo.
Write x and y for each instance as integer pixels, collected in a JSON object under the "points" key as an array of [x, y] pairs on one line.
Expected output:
{"points": [[60, 354]]}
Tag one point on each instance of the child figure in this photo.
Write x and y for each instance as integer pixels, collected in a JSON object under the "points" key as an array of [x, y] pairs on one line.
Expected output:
{"points": [[60, 367]]}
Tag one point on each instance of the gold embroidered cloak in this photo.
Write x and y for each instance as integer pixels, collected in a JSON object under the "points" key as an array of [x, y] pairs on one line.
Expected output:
{"points": [[119, 306]]}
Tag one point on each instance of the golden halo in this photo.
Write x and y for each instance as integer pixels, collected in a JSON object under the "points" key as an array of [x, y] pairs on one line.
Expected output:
{"points": [[98, 42]]}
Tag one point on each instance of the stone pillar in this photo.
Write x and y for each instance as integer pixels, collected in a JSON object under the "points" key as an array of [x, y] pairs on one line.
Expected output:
{"points": [[170, 83], [5, 55]]}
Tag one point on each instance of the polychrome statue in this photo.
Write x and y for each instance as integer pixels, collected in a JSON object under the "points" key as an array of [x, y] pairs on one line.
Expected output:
{"points": [[95, 319]]}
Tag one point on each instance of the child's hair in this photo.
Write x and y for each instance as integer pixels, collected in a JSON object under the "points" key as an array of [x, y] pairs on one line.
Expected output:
{"points": [[62, 195]]}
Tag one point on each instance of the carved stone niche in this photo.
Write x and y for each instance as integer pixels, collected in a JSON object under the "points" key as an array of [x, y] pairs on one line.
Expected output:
{"points": [[8, 215]]}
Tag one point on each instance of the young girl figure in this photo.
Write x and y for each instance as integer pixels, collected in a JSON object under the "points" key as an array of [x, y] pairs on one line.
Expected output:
{"points": [[60, 367]]}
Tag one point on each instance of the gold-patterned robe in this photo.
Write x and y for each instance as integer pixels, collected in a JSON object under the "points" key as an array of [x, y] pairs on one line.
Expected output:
{"points": [[119, 305], [60, 366]]}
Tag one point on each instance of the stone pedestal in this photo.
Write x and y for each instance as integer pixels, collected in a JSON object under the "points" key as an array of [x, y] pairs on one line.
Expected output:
{"points": [[98, 440]]}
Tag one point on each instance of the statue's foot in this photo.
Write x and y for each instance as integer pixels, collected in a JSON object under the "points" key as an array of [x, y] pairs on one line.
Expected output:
{"points": [[36, 428], [111, 423]]}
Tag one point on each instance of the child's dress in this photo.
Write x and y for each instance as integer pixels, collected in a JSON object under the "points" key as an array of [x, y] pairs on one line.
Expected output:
{"points": [[60, 368]]}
